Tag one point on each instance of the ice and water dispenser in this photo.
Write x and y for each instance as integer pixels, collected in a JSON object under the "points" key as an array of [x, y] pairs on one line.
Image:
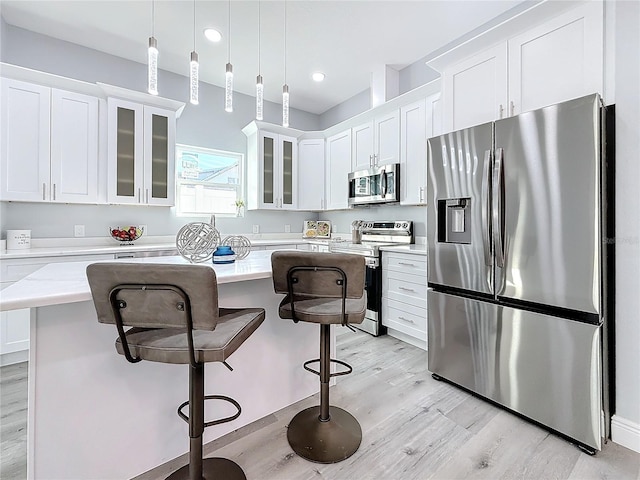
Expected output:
{"points": [[454, 220]]}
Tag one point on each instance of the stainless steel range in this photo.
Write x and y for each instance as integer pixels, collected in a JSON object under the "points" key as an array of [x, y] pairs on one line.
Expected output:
{"points": [[375, 235]]}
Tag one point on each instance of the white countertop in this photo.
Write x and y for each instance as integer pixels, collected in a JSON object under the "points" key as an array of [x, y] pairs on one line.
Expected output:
{"points": [[415, 249], [61, 283], [69, 247]]}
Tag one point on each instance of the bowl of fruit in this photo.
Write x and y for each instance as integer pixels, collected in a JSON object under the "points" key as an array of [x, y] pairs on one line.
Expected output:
{"points": [[127, 234]]}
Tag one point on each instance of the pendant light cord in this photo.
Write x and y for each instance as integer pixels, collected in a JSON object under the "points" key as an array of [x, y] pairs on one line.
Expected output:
{"points": [[153, 18], [229, 34], [259, 52], [194, 25]]}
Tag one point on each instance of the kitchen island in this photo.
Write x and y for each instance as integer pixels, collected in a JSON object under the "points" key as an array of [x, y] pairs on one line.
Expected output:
{"points": [[94, 415]]}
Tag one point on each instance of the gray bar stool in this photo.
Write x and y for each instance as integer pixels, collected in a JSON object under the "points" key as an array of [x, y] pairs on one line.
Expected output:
{"points": [[174, 312], [323, 288]]}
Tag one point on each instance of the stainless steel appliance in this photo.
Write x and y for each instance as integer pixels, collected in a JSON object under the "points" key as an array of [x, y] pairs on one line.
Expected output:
{"points": [[373, 235], [375, 185], [517, 306]]}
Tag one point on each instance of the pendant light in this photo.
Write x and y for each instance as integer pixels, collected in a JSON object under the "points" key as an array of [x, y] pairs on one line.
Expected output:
{"points": [[228, 84], [285, 87], [193, 65], [259, 84], [152, 87]]}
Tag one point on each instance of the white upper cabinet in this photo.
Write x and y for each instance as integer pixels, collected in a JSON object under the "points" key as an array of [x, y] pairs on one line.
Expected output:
{"points": [[418, 122], [338, 164], [311, 170], [559, 59], [376, 142], [272, 160], [475, 90], [141, 154], [74, 147], [49, 147]]}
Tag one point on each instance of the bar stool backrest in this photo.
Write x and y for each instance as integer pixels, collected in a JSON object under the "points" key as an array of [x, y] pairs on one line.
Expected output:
{"points": [[318, 283], [155, 295]]}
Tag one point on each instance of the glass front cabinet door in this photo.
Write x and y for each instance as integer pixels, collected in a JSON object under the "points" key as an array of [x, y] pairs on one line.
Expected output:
{"points": [[278, 158], [141, 152]]}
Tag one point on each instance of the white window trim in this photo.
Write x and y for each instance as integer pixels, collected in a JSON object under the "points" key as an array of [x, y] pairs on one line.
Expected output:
{"points": [[209, 151]]}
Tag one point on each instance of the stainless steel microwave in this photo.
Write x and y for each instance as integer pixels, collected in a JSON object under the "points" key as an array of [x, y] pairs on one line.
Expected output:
{"points": [[375, 185]]}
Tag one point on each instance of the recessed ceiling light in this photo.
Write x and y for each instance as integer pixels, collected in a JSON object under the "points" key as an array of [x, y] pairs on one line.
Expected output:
{"points": [[212, 34], [318, 76]]}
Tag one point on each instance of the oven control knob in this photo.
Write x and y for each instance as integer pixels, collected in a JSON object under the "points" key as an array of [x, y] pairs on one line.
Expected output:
{"points": [[405, 225]]}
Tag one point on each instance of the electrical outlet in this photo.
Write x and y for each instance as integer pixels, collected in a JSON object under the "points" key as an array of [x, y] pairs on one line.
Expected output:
{"points": [[144, 230], [287, 229], [78, 230], [256, 229]]}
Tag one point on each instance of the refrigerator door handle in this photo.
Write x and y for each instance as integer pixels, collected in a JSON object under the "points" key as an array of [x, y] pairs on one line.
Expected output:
{"points": [[486, 209], [498, 233]]}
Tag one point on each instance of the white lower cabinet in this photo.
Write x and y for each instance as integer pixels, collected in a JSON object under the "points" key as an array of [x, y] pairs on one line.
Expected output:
{"points": [[14, 324], [404, 297]]}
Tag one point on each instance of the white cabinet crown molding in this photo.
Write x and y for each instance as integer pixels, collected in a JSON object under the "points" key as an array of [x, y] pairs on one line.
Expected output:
{"points": [[142, 98], [525, 20], [256, 125], [15, 72]]}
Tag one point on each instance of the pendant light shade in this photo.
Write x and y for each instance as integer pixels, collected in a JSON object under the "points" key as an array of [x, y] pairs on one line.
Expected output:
{"points": [[152, 56], [259, 82], [259, 97], [228, 89], [193, 78], [153, 67], [285, 105], [228, 83], [194, 66]]}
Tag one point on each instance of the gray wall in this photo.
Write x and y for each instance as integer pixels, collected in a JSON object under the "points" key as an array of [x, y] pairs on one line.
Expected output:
{"points": [[357, 104], [206, 125], [627, 241]]}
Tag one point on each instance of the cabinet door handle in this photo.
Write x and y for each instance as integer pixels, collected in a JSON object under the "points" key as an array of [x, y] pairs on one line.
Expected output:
{"points": [[421, 196], [370, 160], [138, 195], [406, 319], [147, 194], [407, 289], [407, 264], [44, 189], [501, 111], [512, 107], [54, 191]]}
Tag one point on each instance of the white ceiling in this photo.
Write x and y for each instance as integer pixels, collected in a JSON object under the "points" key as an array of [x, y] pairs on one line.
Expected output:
{"points": [[344, 39]]}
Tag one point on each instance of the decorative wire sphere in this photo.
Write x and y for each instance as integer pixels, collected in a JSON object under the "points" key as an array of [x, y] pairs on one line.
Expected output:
{"points": [[197, 241], [239, 244]]}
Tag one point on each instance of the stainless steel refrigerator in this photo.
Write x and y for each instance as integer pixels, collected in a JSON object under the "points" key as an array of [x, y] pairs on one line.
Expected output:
{"points": [[516, 224]]}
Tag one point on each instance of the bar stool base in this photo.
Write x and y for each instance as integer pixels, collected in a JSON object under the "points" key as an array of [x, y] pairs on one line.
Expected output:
{"points": [[324, 442], [213, 468]]}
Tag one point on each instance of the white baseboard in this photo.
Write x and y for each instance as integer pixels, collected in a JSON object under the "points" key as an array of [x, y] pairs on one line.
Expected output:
{"points": [[625, 432], [407, 338]]}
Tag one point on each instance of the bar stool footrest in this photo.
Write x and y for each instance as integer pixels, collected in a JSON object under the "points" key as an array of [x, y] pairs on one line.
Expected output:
{"points": [[213, 422], [333, 360]]}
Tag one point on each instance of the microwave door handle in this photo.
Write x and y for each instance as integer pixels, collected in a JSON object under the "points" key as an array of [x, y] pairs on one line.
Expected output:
{"points": [[486, 209], [384, 183], [498, 233]]}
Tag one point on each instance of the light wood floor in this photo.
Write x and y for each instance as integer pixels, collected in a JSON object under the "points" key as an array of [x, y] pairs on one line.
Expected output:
{"points": [[413, 428]]}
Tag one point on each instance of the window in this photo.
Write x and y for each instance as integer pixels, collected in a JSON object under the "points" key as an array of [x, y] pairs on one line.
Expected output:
{"points": [[208, 181]]}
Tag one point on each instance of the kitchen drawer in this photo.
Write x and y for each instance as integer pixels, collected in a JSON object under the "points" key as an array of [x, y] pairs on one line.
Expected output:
{"points": [[405, 318], [406, 288], [12, 270], [405, 263]]}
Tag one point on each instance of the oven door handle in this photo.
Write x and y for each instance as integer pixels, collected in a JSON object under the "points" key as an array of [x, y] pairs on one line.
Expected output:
{"points": [[371, 262]]}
